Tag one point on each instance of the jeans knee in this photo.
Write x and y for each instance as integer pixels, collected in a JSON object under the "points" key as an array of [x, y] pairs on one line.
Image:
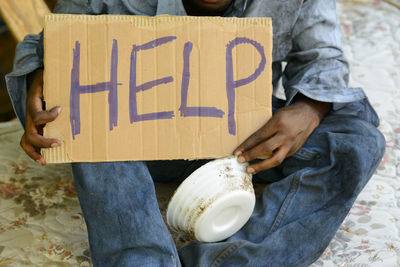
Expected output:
{"points": [[370, 145], [379, 143], [354, 147], [381, 146]]}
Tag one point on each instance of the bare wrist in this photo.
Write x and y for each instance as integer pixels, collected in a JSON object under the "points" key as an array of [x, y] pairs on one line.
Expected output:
{"points": [[33, 77], [320, 109]]}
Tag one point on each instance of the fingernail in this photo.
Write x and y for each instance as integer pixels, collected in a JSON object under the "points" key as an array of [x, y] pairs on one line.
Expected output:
{"points": [[251, 170], [55, 145], [237, 153], [41, 161], [58, 110], [241, 159]]}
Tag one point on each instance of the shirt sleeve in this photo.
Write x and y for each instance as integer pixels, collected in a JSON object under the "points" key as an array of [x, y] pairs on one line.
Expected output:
{"points": [[29, 57], [316, 66]]}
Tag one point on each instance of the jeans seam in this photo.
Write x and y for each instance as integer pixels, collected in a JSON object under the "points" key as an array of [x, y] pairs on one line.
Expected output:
{"points": [[304, 154], [285, 204], [218, 260]]}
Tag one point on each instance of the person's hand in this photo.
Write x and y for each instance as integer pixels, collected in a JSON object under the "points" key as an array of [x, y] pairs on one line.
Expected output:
{"points": [[32, 140], [283, 135]]}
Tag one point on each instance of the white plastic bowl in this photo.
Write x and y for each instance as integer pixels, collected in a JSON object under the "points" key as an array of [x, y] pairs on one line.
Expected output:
{"points": [[214, 202]]}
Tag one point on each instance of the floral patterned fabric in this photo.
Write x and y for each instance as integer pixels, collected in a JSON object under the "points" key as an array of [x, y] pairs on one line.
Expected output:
{"points": [[41, 223], [370, 235]]}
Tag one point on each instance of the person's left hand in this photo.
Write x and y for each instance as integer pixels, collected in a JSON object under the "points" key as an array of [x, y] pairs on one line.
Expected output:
{"points": [[283, 135]]}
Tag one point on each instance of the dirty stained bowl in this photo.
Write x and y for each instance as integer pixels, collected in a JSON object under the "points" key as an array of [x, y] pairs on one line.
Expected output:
{"points": [[214, 202]]}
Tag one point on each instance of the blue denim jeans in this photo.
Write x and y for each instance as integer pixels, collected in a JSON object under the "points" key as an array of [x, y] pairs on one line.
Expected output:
{"points": [[295, 217]]}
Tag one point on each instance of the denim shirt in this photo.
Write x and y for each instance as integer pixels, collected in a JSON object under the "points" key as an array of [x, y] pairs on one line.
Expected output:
{"points": [[307, 37]]}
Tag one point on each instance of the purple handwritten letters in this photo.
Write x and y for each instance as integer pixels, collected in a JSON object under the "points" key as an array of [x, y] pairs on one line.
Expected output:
{"points": [[77, 89], [112, 86], [232, 84], [134, 89]]}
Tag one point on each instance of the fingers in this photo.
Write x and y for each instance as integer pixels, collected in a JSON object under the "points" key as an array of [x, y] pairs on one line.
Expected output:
{"points": [[40, 117], [261, 151], [34, 103], [31, 151], [273, 149], [277, 158], [33, 140], [33, 129], [39, 141], [256, 138]]}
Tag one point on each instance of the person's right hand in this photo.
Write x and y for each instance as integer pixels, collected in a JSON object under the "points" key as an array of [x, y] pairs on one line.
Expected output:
{"points": [[32, 140]]}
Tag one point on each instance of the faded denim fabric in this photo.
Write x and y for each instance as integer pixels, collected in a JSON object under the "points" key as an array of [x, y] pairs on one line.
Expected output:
{"points": [[293, 222], [310, 193]]}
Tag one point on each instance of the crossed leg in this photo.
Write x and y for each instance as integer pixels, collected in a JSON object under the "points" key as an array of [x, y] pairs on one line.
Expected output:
{"points": [[294, 219]]}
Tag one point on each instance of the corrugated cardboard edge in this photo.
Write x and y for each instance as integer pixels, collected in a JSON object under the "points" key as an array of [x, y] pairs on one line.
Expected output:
{"points": [[59, 154], [56, 155], [141, 21]]}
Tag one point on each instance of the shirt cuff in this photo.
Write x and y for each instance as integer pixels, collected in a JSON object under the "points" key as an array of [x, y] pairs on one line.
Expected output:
{"points": [[355, 104], [329, 95], [26, 61]]}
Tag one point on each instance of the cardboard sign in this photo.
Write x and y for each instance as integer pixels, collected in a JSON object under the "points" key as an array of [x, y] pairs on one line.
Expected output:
{"points": [[155, 88]]}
